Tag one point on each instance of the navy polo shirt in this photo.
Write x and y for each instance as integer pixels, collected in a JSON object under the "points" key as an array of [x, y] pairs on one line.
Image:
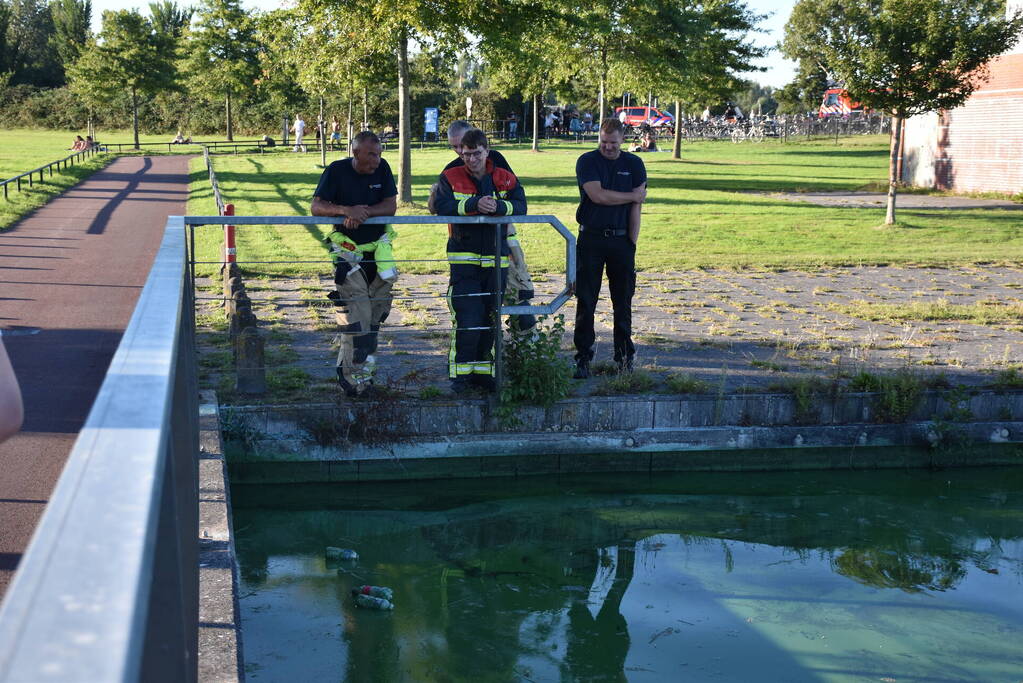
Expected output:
{"points": [[624, 174], [342, 184]]}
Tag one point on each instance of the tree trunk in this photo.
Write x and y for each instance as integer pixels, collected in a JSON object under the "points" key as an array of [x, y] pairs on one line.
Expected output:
{"points": [[536, 123], [323, 137], [893, 169], [135, 115], [676, 147], [230, 122], [365, 108], [404, 123], [603, 88], [350, 127]]}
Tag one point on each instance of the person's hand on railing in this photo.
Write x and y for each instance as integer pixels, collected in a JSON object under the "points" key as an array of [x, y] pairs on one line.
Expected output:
{"points": [[486, 205]]}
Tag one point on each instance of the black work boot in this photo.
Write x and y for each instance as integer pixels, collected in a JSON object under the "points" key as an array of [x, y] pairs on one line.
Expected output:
{"points": [[582, 369], [460, 386], [349, 389]]}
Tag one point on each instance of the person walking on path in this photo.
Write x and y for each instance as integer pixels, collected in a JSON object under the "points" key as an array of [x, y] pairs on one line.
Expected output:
{"points": [[359, 187], [612, 189], [298, 128], [477, 187]]}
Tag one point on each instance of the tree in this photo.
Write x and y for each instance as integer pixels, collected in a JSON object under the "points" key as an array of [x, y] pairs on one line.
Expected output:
{"points": [[6, 53], [803, 92], [168, 17], [527, 52], [29, 57], [71, 30], [691, 50], [223, 55], [372, 27], [903, 57], [130, 55]]}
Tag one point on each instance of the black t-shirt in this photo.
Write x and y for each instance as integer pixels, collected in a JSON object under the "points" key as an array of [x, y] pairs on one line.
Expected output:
{"points": [[624, 174], [494, 156], [342, 184]]}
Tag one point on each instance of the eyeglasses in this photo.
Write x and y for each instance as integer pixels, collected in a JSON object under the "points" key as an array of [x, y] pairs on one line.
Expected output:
{"points": [[474, 155]]}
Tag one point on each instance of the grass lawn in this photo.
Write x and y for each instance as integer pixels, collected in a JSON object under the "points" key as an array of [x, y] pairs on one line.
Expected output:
{"points": [[701, 212], [22, 150]]}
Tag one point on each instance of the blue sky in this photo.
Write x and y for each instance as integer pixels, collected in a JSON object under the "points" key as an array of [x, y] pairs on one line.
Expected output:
{"points": [[779, 70]]}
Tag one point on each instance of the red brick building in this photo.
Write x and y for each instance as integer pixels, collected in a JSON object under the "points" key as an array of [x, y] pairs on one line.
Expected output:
{"points": [[977, 147]]}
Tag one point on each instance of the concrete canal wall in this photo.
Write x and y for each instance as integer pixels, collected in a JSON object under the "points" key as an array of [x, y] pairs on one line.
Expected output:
{"points": [[372, 440]]}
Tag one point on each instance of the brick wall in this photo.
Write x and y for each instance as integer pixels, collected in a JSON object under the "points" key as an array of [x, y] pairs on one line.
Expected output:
{"points": [[977, 147]]}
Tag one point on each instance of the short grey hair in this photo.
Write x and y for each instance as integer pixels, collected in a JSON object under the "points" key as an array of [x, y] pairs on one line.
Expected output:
{"points": [[458, 127], [364, 136]]}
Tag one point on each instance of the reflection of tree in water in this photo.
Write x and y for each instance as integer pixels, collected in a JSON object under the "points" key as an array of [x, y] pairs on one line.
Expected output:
{"points": [[912, 573], [486, 583]]}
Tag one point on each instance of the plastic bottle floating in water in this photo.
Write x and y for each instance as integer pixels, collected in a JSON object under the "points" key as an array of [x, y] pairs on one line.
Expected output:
{"points": [[376, 592], [370, 602], [341, 553]]}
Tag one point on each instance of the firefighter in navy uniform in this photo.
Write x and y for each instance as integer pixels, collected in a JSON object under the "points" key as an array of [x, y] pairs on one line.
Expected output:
{"points": [[612, 189], [477, 187], [358, 188]]}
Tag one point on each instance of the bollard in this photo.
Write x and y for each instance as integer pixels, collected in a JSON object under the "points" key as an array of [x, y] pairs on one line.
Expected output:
{"points": [[231, 278], [240, 308], [250, 373], [229, 247]]}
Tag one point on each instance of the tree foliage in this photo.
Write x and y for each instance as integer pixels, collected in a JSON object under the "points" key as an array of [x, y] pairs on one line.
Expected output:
{"points": [[28, 55], [129, 56], [71, 30], [169, 18], [222, 54], [903, 57]]}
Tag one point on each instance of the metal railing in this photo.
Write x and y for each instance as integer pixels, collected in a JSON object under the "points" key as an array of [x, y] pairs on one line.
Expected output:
{"points": [[108, 588], [59, 164], [557, 301], [234, 145]]}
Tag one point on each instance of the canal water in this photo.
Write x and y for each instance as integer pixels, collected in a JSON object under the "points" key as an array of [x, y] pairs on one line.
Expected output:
{"points": [[805, 576]]}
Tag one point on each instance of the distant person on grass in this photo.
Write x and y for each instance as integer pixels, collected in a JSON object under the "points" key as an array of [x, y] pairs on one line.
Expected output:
{"points": [[477, 187], [612, 189], [359, 187], [78, 145], [298, 128]]}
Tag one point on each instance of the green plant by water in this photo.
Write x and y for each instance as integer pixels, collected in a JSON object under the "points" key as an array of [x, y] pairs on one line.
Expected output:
{"points": [[535, 371]]}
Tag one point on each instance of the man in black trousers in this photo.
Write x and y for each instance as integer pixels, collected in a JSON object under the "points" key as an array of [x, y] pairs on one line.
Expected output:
{"points": [[612, 189]]}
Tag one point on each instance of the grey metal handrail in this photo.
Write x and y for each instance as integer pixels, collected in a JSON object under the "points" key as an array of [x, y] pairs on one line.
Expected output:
{"points": [[66, 161], [108, 588], [570, 266], [544, 309]]}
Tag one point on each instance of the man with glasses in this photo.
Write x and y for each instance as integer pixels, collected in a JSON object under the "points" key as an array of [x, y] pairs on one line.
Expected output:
{"points": [[476, 187], [519, 285]]}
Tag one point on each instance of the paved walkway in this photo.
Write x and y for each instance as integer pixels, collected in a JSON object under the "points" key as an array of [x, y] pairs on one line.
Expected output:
{"points": [[70, 274]]}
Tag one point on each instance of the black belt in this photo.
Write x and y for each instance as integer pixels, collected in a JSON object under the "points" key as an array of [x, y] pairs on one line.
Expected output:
{"points": [[606, 232]]}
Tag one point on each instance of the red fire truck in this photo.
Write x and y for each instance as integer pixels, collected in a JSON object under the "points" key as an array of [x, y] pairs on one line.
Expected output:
{"points": [[836, 102]]}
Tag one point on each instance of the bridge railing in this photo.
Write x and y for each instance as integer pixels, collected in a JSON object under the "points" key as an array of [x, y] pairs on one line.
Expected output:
{"points": [[108, 588]]}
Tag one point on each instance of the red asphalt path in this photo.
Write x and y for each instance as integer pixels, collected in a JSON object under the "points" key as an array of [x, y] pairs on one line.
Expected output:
{"points": [[70, 274]]}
